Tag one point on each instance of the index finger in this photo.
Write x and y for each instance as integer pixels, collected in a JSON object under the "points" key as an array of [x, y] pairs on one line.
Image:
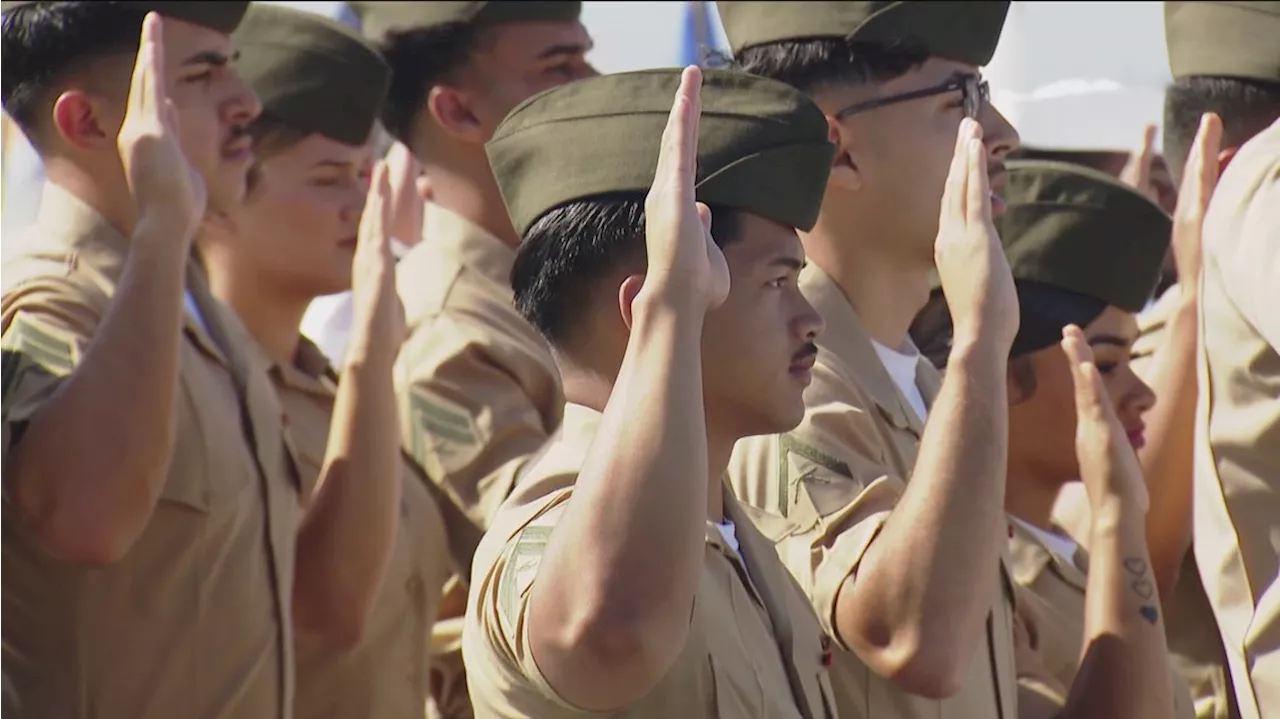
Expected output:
{"points": [[1137, 171], [149, 83], [1204, 160], [678, 153]]}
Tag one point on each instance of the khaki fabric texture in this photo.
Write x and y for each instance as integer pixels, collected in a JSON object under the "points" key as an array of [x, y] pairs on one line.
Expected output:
{"points": [[964, 31], [220, 16], [379, 18], [1227, 39], [828, 487], [479, 392], [196, 619], [754, 647], [1056, 623], [1237, 483], [299, 63], [1061, 219], [762, 145], [386, 675]]}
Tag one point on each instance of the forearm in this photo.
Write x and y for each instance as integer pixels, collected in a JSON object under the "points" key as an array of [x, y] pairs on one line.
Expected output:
{"points": [[90, 505], [1167, 458], [1124, 670], [920, 598], [609, 609], [347, 536]]}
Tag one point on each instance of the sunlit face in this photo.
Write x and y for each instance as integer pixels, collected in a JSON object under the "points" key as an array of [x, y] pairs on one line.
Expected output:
{"points": [[297, 228], [214, 105], [757, 347], [1042, 427], [517, 60], [901, 152]]}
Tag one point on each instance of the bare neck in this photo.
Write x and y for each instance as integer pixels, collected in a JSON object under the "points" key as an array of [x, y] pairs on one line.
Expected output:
{"points": [[885, 290], [472, 193], [1029, 496], [273, 318], [109, 198]]}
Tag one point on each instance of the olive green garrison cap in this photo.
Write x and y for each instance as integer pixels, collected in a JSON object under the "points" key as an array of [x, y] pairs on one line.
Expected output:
{"points": [[965, 31], [379, 18], [1081, 230], [762, 145], [1223, 39], [220, 16], [315, 74]]}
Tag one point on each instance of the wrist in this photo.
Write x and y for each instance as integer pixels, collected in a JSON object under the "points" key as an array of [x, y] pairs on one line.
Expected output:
{"points": [[978, 350], [1114, 511]]}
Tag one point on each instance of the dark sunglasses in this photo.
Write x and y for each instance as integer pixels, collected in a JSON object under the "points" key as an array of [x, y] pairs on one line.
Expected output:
{"points": [[976, 93]]}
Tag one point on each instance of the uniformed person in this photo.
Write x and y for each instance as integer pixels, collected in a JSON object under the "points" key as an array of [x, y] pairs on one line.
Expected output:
{"points": [[149, 508], [923, 627], [911, 616], [1084, 250], [1224, 60], [622, 576], [372, 553], [479, 389], [1237, 497]]}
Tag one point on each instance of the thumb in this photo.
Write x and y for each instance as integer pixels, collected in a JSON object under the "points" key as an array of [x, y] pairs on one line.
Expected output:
{"points": [[704, 215]]}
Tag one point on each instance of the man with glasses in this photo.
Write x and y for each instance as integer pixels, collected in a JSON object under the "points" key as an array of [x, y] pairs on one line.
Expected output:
{"points": [[898, 535]]}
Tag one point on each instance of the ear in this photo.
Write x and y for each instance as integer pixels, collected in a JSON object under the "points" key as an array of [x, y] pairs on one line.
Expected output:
{"points": [[627, 293], [83, 121], [844, 173], [451, 110], [1225, 157]]}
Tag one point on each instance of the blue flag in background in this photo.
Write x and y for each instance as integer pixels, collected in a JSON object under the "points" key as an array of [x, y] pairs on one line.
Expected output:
{"points": [[696, 41]]}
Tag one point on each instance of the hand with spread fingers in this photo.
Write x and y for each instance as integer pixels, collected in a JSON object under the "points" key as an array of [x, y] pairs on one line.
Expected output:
{"points": [[970, 259], [685, 265], [1108, 465], [378, 325], [1198, 182], [167, 190]]}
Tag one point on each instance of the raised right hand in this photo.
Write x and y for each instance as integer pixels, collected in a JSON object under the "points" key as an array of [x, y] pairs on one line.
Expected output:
{"points": [[1198, 182], [684, 263], [168, 192], [378, 323], [970, 260], [1109, 467]]}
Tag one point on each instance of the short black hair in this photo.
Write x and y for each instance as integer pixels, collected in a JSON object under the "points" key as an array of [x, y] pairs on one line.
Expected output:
{"points": [[421, 59], [44, 42], [814, 65], [1247, 106], [568, 249]]}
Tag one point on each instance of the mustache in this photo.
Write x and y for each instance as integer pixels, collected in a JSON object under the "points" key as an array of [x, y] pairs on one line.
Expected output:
{"points": [[809, 350]]}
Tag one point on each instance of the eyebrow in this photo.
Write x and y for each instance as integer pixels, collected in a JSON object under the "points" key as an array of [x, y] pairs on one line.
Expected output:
{"points": [[574, 49], [791, 263], [338, 164], [207, 57], [1114, 340]]}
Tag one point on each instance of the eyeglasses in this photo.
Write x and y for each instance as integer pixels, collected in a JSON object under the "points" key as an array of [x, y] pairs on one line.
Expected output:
{"points": [[976, 93]]}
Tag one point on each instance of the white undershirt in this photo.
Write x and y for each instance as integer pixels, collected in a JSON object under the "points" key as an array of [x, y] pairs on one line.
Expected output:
{"points": [[1062, 546], [189, 304], [902, 369], [730, 534]]}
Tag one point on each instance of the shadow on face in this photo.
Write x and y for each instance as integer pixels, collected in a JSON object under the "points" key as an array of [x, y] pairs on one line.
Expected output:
{"points": [[757, 347], [517, 60], [296, 232], [897, 155], [1042, 417]]}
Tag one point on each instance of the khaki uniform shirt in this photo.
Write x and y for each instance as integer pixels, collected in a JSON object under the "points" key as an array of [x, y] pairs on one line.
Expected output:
{"points": [[1194, 642], [386, 675], [1237, 484], [1056, 623], [479, 393], [831, 484], [754, 648], [196, 619]]}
